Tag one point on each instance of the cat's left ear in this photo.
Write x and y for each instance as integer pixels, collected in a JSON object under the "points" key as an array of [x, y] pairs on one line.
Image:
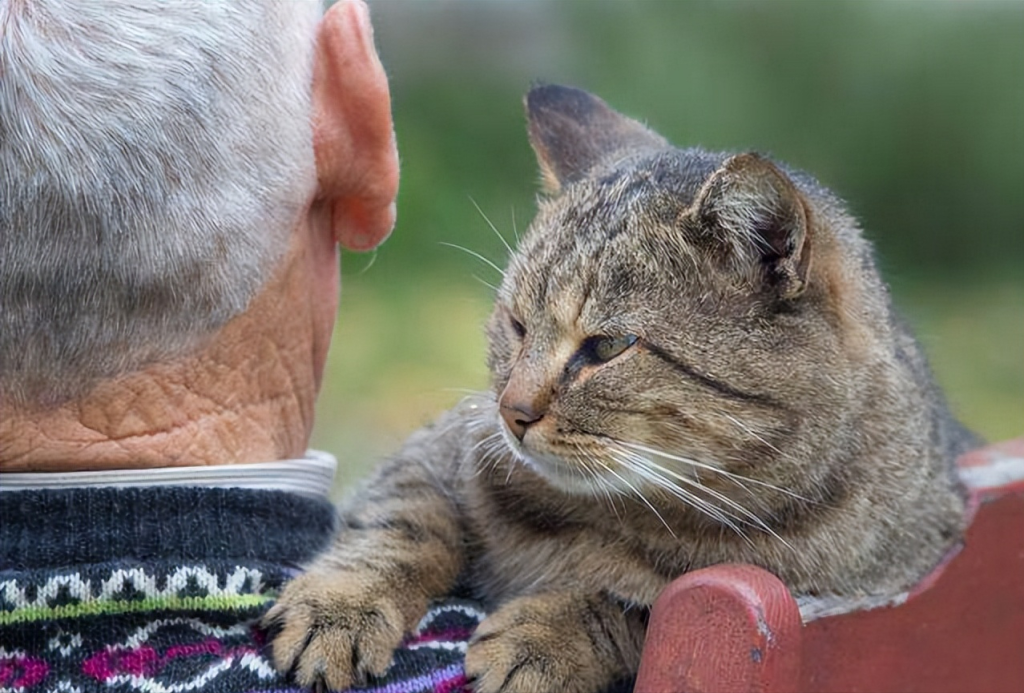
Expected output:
{"points": [[755, 209], [571, 131]]}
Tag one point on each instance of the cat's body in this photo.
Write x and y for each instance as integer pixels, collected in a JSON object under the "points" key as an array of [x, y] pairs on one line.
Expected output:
{"points": [[694, 362]]}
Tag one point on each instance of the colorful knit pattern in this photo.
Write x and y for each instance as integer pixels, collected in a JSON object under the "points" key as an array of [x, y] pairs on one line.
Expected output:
{"points": [[118, 591], [160, 590], [187, 628]]}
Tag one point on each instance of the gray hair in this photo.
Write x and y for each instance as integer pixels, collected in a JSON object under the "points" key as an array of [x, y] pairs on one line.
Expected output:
{"points": [[153, 157]]}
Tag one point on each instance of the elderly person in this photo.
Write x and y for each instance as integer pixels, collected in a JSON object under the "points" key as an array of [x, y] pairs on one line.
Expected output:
{"points": [[175, 178]]}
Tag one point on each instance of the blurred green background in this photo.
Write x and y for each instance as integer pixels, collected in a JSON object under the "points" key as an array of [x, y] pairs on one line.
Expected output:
{"points": [[912, 111]]}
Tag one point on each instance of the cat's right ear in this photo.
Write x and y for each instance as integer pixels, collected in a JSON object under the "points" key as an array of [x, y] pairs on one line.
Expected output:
{"points": [[753, 208], [571, 131]]}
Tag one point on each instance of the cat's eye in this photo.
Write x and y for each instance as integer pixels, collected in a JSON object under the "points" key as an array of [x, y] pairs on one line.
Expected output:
{"points": [[517, 327], [602, 349]]}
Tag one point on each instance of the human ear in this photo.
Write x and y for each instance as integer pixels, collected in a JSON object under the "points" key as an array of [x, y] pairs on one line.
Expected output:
{"points": [[353, 133]]}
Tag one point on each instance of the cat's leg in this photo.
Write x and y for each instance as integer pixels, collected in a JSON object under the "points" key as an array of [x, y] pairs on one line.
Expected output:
{"points": [[558, 641], [399, 547]]}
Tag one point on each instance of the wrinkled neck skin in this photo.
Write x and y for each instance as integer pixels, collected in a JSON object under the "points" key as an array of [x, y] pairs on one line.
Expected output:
{"points": [[245, 395]]}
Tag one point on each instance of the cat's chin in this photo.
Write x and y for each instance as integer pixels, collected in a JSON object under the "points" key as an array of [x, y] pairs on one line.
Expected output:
{"points": [[548, 467], [557, 474]]}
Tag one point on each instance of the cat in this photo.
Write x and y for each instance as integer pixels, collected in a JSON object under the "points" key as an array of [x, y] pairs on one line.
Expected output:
{"points": [[694, 361]]}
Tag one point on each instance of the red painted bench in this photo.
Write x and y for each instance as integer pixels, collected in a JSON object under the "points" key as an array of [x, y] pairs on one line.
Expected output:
{"points": [[961, 629]]}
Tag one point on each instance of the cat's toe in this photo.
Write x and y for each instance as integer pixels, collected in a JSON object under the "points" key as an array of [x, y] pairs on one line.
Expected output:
{"points": [[332, 629], [289, 630], [524, 657]]}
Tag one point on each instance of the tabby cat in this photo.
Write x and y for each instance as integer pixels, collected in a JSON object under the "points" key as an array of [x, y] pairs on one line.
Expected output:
{"points": [[694, 361]]}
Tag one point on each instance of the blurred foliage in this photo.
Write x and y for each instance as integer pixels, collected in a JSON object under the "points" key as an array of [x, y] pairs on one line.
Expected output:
{"points": [[911, 111]]}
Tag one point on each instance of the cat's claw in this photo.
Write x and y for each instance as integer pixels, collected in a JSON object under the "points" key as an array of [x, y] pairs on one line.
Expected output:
{"points": [[334, 630]]}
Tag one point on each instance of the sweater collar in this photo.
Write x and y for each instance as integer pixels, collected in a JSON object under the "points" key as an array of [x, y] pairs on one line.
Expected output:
{"points": [[310, 476]]}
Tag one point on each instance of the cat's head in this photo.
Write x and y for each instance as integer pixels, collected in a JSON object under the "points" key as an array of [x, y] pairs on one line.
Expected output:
{"points": [[670, 317]]}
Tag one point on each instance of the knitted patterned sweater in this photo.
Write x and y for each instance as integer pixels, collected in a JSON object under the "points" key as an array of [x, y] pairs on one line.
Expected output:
{"points": [[160, 590]]}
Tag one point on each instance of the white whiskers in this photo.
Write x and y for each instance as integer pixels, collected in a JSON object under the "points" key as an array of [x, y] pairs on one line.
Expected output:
{"points": [[751, 432], [735, 478], [475, 254], [489, 450], [641, 460], [493, 227], [639, 494], [638, 466]]}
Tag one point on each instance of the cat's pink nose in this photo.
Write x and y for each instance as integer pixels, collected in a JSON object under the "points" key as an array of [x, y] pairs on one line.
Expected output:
{"points": [[519, 417]]}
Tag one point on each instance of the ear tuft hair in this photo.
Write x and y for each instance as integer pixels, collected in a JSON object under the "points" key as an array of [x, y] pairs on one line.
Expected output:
{"points": [[753, 207]]}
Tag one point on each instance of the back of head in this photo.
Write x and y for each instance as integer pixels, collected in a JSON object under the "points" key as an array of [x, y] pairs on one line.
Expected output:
{"points": [[154, 157]]}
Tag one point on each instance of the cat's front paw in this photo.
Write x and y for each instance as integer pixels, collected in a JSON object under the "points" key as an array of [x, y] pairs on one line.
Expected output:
{"points": [[537, 644], [336, 628]]}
